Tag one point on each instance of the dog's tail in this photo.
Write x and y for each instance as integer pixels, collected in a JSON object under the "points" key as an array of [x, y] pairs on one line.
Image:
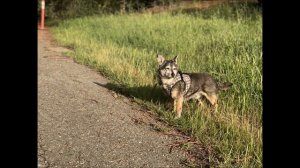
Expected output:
{"points": [[224, 85]]}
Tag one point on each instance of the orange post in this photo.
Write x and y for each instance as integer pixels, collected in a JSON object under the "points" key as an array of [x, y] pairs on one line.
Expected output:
{"points": [[42, 14]]}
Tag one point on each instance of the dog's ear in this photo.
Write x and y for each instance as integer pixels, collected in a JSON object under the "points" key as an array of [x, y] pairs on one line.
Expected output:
{"points": [[175, 59], [160, 59]]}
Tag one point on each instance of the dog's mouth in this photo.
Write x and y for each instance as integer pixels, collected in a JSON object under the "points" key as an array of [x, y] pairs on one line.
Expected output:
{"points": [[168, 77]]}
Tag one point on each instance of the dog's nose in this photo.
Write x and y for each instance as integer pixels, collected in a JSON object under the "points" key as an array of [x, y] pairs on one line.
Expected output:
{"points": [[173, 74]]}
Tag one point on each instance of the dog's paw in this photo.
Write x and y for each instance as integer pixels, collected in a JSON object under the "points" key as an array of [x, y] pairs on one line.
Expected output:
{"points": [[169, 106], [177, 117], [214, 109]]}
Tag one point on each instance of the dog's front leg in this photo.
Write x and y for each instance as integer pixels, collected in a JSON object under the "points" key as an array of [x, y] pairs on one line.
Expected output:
{"points": [[177, 95], [179, 102], [175, 105]]}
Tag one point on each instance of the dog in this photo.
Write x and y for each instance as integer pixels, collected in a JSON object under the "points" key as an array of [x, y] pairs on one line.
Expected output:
{"points": [[185, 86]]}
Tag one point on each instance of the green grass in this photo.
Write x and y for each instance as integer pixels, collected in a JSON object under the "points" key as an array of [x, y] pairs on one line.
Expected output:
{"points": [[123, 47]]}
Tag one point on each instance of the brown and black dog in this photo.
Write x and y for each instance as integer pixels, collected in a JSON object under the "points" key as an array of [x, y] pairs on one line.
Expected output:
{"points": [[184, 86]]}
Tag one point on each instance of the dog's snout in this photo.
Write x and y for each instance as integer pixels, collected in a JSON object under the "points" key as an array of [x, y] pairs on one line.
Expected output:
{"points": [[173, 74]]}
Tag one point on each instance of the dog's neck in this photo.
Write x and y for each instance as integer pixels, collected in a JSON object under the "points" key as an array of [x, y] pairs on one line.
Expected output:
{"points": [[170, 81]]}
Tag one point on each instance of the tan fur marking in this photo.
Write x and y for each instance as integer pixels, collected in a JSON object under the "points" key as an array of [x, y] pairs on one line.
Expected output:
{"points": [[174, 93], [211, 98], [179, 106], [175, 105]]}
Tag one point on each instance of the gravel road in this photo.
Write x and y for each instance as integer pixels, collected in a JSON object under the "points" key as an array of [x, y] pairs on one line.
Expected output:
{"points": [[82, 124]]}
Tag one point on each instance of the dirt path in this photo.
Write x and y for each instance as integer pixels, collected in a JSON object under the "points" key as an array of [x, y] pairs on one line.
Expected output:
{"points": [[81, 124]]}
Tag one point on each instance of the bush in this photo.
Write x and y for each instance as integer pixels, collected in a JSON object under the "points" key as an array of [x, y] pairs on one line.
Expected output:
{"points": [[61, 9]]}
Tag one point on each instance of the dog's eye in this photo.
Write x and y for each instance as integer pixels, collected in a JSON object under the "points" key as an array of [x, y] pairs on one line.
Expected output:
{"points": [[168, 68]]}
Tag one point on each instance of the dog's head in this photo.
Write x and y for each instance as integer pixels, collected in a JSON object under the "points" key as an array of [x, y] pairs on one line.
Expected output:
{"points": [[167, 68]]}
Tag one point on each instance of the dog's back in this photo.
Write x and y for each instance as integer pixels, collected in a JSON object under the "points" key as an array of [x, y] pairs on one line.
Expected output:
{"points": [[202, 82], [205, 82]]}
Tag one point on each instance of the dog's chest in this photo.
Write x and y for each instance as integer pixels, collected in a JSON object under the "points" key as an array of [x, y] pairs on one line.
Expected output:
{"points": [[167, 84], [171, 81]]}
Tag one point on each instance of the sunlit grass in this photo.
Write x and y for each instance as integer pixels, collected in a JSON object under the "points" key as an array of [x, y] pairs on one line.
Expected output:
{"points": [[123, 47]]}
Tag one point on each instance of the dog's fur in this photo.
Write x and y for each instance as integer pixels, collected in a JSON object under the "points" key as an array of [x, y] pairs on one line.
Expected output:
{"points": [[184, 86]]}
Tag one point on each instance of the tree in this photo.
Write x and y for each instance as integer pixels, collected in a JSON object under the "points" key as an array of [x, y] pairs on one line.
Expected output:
{"points": [[123, 6]]}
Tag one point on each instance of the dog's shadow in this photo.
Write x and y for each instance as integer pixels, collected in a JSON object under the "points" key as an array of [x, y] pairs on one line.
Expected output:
{"points": [[146, 93]]}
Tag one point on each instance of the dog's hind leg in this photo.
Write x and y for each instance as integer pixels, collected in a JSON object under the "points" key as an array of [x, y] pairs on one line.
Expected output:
{"points": [[212, 98]]}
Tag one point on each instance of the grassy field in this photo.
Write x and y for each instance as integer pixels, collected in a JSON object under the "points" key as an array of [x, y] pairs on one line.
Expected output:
{"points": [[225, 41]]}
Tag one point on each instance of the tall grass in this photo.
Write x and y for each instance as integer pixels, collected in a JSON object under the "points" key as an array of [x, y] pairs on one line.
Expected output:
{"points": [[123, 47]]}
